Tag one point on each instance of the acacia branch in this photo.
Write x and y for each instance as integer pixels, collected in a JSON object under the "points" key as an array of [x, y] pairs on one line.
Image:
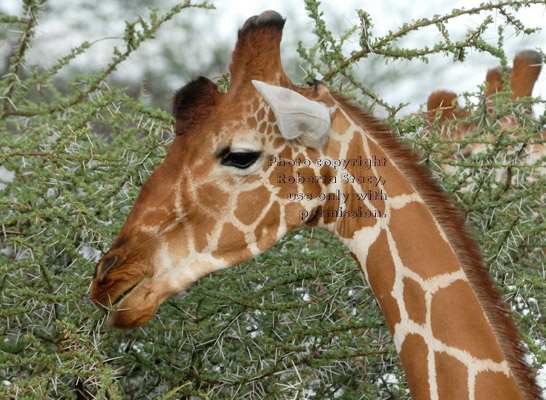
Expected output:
{"points": [[405, 30]]}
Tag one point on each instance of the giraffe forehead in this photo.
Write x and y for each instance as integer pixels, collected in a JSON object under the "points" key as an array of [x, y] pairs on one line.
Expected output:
{"points": [[249, 132], [242, 137]]}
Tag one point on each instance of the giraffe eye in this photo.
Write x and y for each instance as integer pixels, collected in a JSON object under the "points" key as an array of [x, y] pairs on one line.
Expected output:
{"points": [[241, 160]]}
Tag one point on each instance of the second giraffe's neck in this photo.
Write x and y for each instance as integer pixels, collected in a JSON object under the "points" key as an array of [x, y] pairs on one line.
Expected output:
{"points": [[445, 316]]}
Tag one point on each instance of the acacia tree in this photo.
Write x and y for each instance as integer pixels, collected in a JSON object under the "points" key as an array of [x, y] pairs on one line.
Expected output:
{"points": [[72, 162]]}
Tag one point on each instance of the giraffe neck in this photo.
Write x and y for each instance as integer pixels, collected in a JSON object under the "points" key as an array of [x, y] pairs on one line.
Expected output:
{"points": [[447, 320]]}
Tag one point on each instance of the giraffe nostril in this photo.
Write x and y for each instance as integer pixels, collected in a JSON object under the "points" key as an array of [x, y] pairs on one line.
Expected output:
{"points": [[107, 263]]}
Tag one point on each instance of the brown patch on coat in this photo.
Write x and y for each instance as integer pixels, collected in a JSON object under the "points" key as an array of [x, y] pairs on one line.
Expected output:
{"points": [[310, 186], [271, 116], [414, 354], [251, 179], [256, 103], [452, 377], [328, 172], [267, 230], [331, 209], [202, 225], [212, 197], [293, 214], [178, 242], [332, 148], [395, 183], [278, 142], [251, 203], [349, 224], [281, 178], [340, 124], [464, 326], [152, 217], [286, 153], [232, 245], [414, 300], [381, 276], [356, 150], [313, 155], [314, 220], [252, 122], [496, 385], [261, 114], [419, 243]]}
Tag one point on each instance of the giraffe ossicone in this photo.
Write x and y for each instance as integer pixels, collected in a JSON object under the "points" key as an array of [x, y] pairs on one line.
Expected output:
{"points": [[217, 200]]}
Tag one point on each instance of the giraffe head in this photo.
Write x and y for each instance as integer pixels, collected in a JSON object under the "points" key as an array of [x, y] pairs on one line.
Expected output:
{"points": [[215, 200], [523, 75], [442, 107]]}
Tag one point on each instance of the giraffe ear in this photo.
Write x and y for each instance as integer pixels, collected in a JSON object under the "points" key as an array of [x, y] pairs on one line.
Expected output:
{"points": [[297, 116]]}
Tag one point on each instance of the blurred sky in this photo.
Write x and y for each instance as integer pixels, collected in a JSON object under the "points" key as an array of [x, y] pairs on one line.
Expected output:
{"points": [[58, 33]]}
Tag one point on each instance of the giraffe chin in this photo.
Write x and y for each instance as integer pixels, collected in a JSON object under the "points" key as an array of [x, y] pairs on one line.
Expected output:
{"points": [[136, 308]]}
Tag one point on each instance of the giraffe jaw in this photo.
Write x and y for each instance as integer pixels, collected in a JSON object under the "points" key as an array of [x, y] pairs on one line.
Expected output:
{"points": [[133, 291], [138, 304]]}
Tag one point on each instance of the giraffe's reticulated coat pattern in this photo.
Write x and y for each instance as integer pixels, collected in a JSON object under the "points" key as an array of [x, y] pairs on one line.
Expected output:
{"points": [[232, 185]]}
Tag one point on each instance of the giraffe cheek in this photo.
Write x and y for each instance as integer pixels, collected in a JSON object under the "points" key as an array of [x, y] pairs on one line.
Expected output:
{"points": [[294, 215], [250, 204], [202, 225], [268, 229], [232, 245]]}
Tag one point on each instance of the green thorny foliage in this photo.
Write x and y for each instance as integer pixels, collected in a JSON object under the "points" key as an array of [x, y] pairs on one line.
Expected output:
{"points": [[303, 326]]}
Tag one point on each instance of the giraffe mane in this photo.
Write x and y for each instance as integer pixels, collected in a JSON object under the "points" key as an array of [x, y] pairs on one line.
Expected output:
{"points": [[465, 247]]}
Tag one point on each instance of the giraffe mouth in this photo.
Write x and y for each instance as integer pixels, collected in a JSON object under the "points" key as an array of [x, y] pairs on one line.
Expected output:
{"points": [[135, 306], [125, 293]]}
